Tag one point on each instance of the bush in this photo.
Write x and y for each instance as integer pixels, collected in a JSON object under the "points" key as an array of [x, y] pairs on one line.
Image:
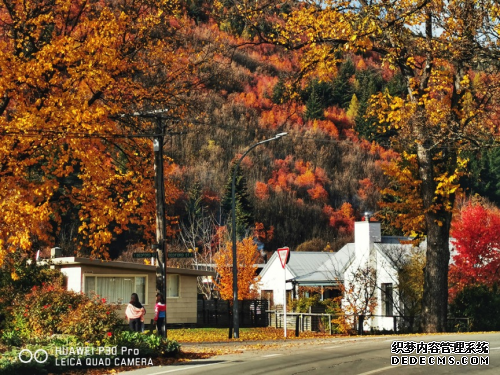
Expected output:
{"points": [[479, 303], [12, 338], [93, 320], [148, 344], [303, 304], [339, 321], [18, 277], [53, 310]]}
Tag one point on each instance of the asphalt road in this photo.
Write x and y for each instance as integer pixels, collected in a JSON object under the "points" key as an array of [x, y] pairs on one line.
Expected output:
{"points": [[359, 356]]}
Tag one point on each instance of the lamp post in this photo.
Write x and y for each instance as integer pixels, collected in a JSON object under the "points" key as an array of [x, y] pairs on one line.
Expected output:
{"points": [[236, 322]]}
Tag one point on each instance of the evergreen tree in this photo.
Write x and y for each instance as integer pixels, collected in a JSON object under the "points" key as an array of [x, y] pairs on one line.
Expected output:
{"points": [[368, 82], [243, 205], [342, 89], [314, 107], [484, 178], [194, 207], [278, 96], [397, 86]]}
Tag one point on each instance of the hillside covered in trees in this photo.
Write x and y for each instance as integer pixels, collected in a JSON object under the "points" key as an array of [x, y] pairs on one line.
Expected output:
{"points": [[81, 161]]}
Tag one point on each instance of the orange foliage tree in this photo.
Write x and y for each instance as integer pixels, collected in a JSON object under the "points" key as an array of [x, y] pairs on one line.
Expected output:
{"points": [[69, 71], [247, 257]]}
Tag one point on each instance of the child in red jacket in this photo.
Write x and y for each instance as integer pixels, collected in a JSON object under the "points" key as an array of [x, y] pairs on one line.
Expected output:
{"points": [[160, 313]]}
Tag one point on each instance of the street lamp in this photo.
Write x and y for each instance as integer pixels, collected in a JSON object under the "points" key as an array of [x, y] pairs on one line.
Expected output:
{"points": [[236, 322]]}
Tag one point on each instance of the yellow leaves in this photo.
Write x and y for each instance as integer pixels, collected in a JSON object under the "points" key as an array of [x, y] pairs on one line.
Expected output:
{"points": [[247, 257], [404, 206], [67, 89], [448, 184], [198, 335]]}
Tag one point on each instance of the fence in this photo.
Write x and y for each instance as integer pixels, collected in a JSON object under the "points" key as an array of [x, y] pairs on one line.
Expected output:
{"points": [[219, 313], [320, 322], [301, 321]]}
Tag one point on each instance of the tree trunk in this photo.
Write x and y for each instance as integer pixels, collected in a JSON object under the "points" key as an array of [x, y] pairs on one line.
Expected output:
{"points": [[435, 297], [438, 220]]}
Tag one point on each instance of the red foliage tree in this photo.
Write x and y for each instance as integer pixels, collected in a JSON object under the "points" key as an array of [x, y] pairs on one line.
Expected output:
{"points": [[477, 242]]}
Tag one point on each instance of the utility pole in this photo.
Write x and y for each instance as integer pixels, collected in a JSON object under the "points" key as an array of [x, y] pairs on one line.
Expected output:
{"points": [[236, 318], [161, 233], [159, 184]]}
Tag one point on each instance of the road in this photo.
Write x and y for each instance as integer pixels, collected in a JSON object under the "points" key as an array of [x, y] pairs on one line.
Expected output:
{"points": [[351, 356]]}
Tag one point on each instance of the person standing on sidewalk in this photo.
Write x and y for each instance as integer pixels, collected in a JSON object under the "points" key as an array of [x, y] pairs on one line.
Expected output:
{"points": [[160, 313], [135, 313]]}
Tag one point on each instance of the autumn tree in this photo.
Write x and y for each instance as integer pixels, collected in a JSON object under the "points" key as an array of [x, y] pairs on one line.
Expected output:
{"points": [[70, 72], [409, 262], [359, 288], [201, 234], [477, 242], [439, 48], [247, 258]]}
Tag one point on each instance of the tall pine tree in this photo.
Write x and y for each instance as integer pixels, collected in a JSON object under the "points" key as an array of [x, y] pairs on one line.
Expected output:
{"points": [[243, 205]]}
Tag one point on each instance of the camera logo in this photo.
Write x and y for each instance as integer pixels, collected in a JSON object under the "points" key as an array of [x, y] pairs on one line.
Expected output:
{"points": [[40, 356]]}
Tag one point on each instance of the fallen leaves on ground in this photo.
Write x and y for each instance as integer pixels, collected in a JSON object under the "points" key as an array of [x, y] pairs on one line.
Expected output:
{"points": [[205, 337], [199, 335]]}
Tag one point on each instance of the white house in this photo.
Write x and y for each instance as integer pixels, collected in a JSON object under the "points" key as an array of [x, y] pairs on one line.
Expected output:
{"points": [[365, 267]]}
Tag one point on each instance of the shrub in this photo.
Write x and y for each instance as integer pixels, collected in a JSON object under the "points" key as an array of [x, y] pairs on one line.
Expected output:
{"points": [[53, 310], [479, 303], [303, 304], [10, 364], [12, 338], [18, 277], [149, 344], [92, 320]]}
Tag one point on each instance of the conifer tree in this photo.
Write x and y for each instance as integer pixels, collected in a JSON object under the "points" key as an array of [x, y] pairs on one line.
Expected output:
{"points": [[314, 108], [243, 205]]}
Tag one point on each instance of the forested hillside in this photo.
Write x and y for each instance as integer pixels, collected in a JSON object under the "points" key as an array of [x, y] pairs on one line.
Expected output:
{"points": [[81, 162], [309, 185]]}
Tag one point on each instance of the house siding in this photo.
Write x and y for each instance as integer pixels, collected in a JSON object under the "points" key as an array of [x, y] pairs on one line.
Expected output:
{"points": [[180, 309], [87, 270]]}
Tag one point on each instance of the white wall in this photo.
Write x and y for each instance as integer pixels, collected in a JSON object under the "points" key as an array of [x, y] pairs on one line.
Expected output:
{"points": [[385, 274], [74, 275], [274, 280]]}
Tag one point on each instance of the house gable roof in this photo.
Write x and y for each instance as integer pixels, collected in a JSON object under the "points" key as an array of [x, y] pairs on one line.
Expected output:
{"points": [[79, 262], [316, 268], [332, 269]]}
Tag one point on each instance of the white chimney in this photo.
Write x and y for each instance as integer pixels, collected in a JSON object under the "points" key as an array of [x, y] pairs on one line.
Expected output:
{"points": [[55, 252], [365, 234]]}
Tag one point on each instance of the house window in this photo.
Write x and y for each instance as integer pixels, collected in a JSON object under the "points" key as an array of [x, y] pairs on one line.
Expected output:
{"points": [[387, 299], [116, 289], [172, 286]]}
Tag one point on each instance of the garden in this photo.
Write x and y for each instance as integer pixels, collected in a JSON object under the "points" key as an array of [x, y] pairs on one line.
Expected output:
{"points": [[46, 329]]}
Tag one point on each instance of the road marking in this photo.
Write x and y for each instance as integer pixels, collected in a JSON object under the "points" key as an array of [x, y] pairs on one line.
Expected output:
{"points": [[378, 370], [184, 368], [271, 355]]}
